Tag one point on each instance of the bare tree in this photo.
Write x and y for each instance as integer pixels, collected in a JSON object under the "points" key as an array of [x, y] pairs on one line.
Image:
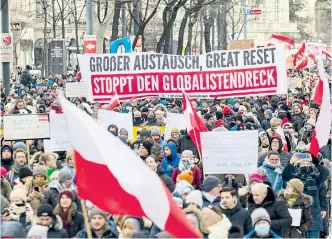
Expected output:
{"points": [[208, 21]]}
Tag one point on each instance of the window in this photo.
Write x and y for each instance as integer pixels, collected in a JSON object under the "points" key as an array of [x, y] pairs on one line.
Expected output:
{"points": [[39, 9], [276, 11]]}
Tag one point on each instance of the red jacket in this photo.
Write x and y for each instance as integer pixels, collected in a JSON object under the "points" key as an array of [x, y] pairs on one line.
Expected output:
{"points": [[196, 177]]}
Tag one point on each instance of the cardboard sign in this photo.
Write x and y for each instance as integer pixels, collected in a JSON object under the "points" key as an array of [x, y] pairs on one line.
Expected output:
{"points": [[174, 120], [18, 127], [242, 44], [76, 89], [230, 152], [121, 120], [216, 74], [138, 128], [59, 134]]}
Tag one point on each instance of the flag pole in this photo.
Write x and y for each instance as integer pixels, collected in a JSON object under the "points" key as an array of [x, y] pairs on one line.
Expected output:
{"points": [[199, 154], [28, 152]]}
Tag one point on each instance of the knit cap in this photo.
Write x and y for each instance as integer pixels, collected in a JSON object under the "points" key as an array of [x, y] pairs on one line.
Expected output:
{"points": [[219, 123], [96, 211], [175, 131], [296, 185], [19, 193], [210, 182], [188, 153], [37, 231], [187, 176], [155, 131], [144, 133], [195, 197], [45, 210], [147, 145], [256, 177], [227, 110], [19, 145], [68, 193], [39, 169], [260, 214], [25, 172], [65, 175]]}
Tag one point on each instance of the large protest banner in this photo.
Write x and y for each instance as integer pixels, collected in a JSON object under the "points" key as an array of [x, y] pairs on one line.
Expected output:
{"points": [[59, 134], [19, 127], [174, 120], [107, 117], [257, 71], [230, 152], [76, 89]]}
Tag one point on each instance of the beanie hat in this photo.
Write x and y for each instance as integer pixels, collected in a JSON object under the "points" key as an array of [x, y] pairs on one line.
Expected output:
{"points": [[227, 110], [64, 175], [155, 131], [187, 176], [144, 133], [45, 210], [147, 145], [68, 193], [96, 211], [219, 123], [25, 172], [258, 215], [175, 131], [297, 185], [283, 106], [188, 153], [123, 131], [298, 105], [195, 197], [256, 177], [239, 118], [137, 114], [38, 231], [212, 215], [3, 172], [19, 145], [268, 112], [209, 183], [231, 101], [18, 193], [303, 161], [242, 108], [39, 169], [205, 105]]}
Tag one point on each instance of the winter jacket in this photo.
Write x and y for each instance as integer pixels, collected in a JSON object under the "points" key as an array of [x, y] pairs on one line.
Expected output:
{"points": [[13, 174], [7, 163], [77, 223], [326, 150], [167, 180], [56, 229], [298, 121], [161, 142], [185, 143], [52, 195], [239, 216], [274, 177], [279, 215], [171, 162], [220, 229], [252, 234], [207, 203], [303, 203], [196, 176], [5, 188]]}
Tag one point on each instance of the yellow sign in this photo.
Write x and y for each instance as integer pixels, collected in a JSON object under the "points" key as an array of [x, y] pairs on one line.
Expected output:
{"points": [[242, 44], [138, 128]]}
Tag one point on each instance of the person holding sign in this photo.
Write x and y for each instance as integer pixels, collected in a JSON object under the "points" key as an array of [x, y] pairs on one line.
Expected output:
{"points": [[299, 205]]}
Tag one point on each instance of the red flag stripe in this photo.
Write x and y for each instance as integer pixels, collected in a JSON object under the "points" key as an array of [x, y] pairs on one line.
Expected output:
{"points": [[285, 39]]}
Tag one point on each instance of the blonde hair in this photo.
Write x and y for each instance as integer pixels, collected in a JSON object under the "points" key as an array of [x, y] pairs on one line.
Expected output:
{"points": [[275, 122]]}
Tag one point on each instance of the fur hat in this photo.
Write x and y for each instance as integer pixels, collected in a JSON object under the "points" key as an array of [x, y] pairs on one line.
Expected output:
{"points": [[155, 131], [210, 182], [19, 193], [258, 215], [296, 185], [37, 231], [186, 175], [195, 197], [64, 175], [96, 211], [19, 145], [25, 172]]}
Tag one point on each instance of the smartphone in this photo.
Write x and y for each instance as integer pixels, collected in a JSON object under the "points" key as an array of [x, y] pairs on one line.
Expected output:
{"points": [[303, 155], [36, 189]]}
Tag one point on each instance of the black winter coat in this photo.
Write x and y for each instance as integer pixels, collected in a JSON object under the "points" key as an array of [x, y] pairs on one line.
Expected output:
{"points": [[239, 216], [185, 143], [167, 180], [107, 233], [279, 215], [56, 230], [207, 203], [326, 150]]}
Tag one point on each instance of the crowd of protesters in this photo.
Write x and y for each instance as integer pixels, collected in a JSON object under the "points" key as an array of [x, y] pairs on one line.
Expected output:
{"points": [[40, 200]]}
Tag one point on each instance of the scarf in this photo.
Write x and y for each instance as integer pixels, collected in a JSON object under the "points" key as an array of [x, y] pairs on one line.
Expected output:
{"points": [[186, 165], [17, 168], [64, 217], [291, 199], [267, 163]]}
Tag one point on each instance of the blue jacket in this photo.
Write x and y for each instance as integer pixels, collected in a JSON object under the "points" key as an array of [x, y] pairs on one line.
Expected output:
{"points": [[161, 142], [173, 162], [253, 235], [275, 178]]}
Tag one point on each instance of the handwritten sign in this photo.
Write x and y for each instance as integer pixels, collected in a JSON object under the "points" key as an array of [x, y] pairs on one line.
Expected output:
{"points": [[107, 117], [26, 126], [174, 120], [230, 152], [76, 89], [242, 44], [59, 134]]}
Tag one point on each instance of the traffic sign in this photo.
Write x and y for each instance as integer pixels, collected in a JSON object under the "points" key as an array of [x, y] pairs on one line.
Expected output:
{"points": [[90, 44], [6, 47], [254, 11], [195, 50]]}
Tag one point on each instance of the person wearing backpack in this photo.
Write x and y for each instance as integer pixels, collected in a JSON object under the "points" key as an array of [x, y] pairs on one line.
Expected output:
{"points": [[26, 78]]}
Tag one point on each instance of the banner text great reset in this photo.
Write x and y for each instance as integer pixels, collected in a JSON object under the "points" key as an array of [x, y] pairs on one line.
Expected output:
{"points": [[257, 71]]}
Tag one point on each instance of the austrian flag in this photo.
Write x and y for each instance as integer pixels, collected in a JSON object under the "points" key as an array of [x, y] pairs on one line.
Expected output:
{"points": [[116, 180]]}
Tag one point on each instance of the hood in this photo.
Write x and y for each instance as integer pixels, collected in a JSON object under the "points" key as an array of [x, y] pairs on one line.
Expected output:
{"points": [[220, 229], [302, 199], [6, 147], [269, 199], [180, 187], [280, 142], [172, 147]]}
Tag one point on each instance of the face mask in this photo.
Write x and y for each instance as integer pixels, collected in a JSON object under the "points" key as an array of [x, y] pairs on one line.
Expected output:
{"points": [[262, 229]]}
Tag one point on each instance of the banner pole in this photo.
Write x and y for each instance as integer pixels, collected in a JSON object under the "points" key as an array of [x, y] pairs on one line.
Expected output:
{"points": [[28, 152], [86, 219], [199, 154]]}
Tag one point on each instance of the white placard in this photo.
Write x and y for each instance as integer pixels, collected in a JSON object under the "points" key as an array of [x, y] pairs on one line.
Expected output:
{"points": [[174, 120], [122, 120], [76, 89], [296, 216], [59, 134], [26, 126], [230, 152]]}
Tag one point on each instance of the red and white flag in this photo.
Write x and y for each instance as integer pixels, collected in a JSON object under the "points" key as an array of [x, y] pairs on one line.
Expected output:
{"points": [[327, 53], [284, 39], [312, 56], [114, 101], [321, 96], [116, 180], [280, 133], [194, 123], [299, 54], [303, 64]]}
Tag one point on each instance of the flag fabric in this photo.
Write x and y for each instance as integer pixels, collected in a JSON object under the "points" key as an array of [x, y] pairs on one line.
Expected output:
{"points": [[326, 53], [114, 101], [116, 180], [303, 64], [322, 96], [299, 54], [194, 123], [43, 117], [284, 39], [312, 56], [280, 133]]}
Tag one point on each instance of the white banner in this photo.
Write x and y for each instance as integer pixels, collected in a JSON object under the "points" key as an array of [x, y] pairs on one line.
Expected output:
{"points": [[26, 126], [230, 152], [76, 89], [174, 120], [121, 120], [59, 134]]}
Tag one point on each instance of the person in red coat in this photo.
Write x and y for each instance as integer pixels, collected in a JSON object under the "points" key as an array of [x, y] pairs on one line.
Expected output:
{"points": [[187, 163]]}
